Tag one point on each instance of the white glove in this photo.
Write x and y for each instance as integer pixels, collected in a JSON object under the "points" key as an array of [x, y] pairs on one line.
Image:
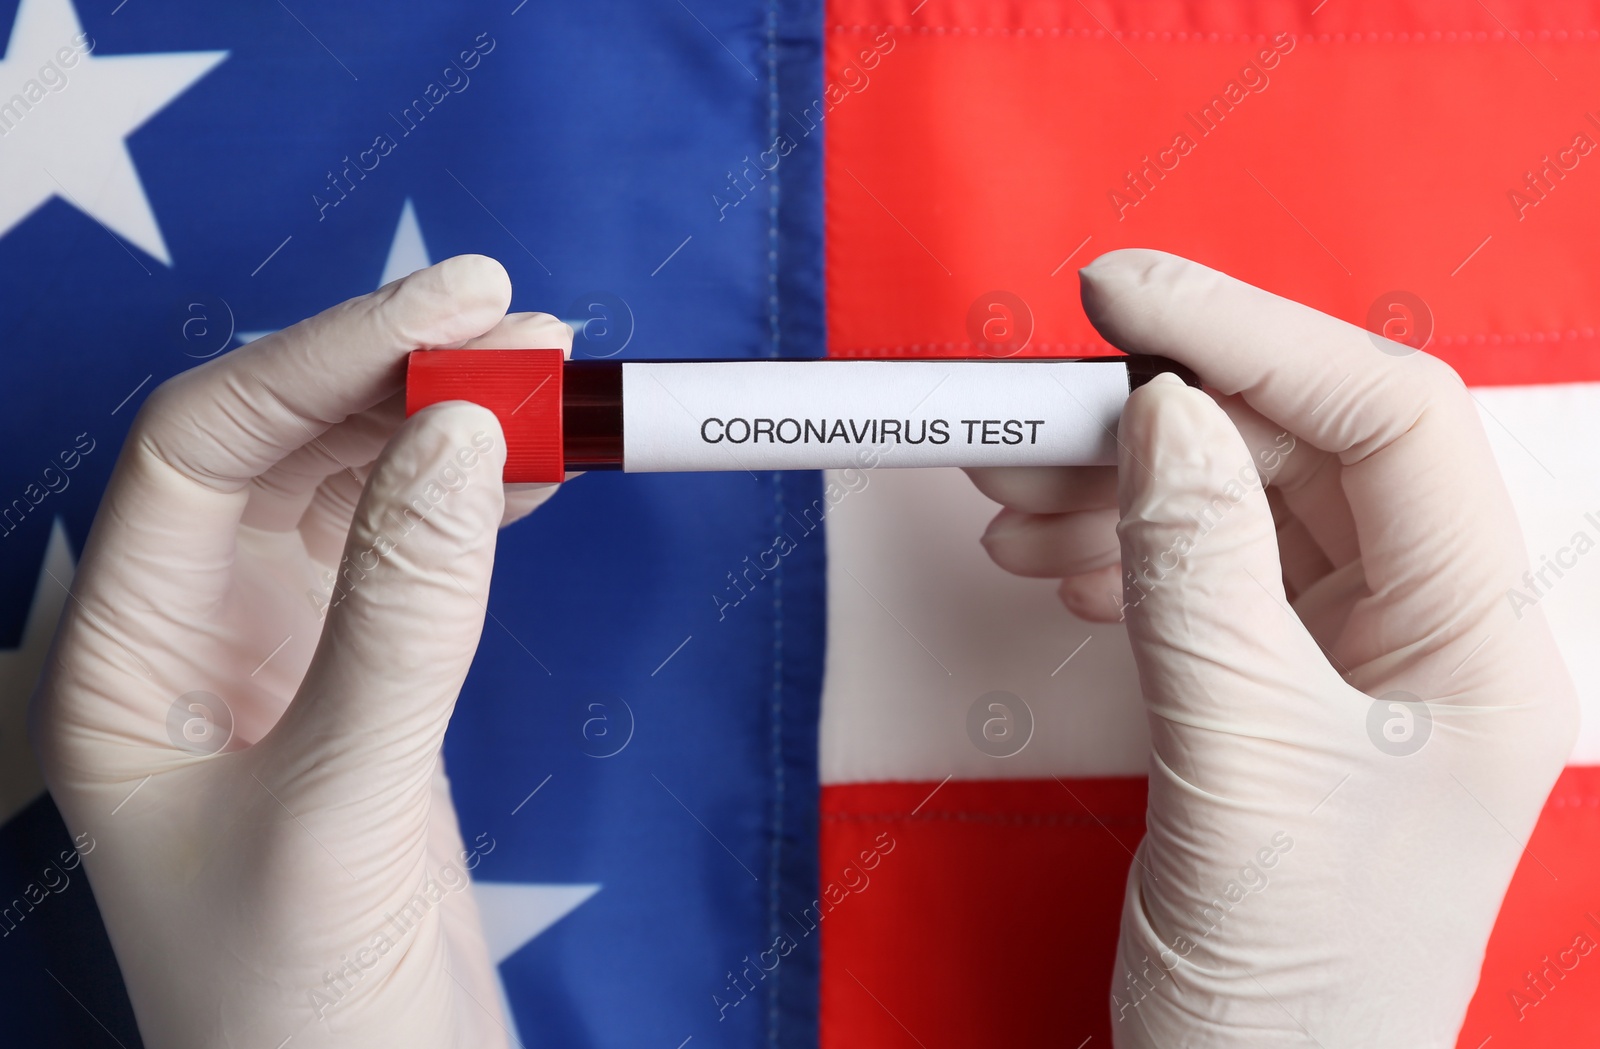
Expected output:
{"points": [[1325, 857], [306, 880]]}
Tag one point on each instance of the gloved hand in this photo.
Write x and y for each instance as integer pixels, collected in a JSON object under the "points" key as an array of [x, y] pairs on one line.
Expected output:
{"points": [[297, 875], [1340, 789]]}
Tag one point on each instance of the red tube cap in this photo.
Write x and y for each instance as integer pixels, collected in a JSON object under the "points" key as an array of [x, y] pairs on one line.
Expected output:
{"points": [[521, 387]]}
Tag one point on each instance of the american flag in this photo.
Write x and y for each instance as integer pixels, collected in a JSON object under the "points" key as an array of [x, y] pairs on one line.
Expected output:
{"points": [[716, 758]]}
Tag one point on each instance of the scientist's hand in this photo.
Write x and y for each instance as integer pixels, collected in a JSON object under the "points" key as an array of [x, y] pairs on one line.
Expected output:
{"points": [[1340, 789], [242, 715]]}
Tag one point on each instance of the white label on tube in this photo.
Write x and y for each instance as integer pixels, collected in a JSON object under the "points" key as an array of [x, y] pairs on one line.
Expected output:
{"points": [[810, 415]]}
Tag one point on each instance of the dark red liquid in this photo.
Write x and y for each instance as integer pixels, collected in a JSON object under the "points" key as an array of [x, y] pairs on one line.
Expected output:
{"points": [[591, 415]]}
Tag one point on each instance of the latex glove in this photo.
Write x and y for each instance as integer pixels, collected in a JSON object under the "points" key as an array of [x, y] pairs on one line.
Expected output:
{"points": [[307, 882], [1323, 863]]}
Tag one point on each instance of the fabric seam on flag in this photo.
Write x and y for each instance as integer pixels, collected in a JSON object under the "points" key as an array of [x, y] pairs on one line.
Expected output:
{"points": [[991, 818], [1476, 339], [775, 874], [775, 882], [1433, 36]]}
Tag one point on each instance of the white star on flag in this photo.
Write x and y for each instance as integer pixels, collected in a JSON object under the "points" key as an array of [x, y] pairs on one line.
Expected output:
{"points": [[66, 114], [513, 914]]}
